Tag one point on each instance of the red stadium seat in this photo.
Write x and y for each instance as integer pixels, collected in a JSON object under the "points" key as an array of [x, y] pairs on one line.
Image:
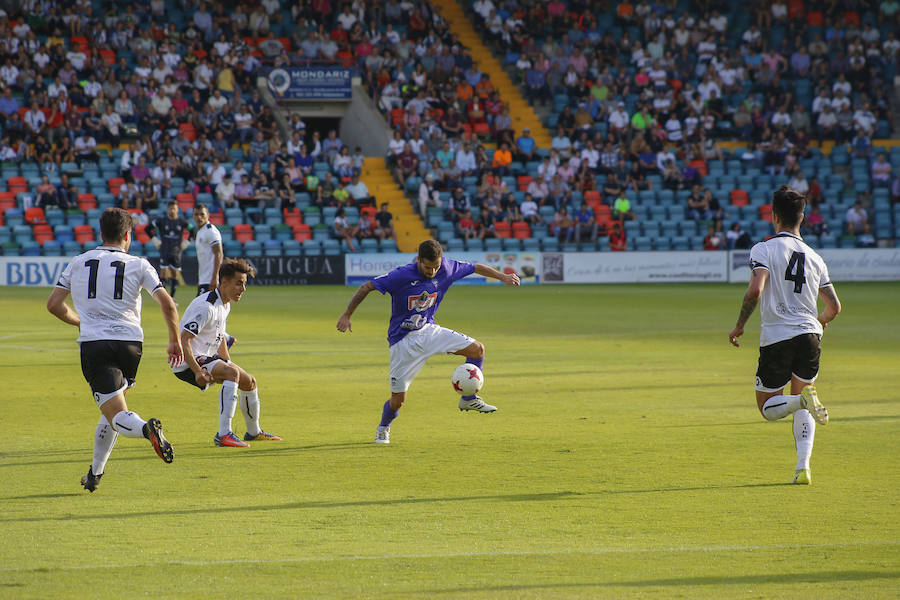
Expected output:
{"points": [[114, 184], [84, 233], [765, 212], [243, 233], [502, 229], [522, 182], [217, 218], [86, 202], [185, 201], [17, 184], [521, 230], [302, 232], [35, 216], [140, 234], [739, 198], [42, 233]]}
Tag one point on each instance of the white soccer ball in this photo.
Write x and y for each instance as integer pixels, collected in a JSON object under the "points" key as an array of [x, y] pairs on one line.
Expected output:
{"points": [[467, 379]]}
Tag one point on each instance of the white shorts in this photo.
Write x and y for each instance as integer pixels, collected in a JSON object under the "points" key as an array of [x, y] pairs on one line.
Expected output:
{"points": [[408, 356]]}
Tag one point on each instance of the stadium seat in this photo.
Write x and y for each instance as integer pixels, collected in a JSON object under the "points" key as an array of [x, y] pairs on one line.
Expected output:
{"points": [[243, 233], [84, 234]]}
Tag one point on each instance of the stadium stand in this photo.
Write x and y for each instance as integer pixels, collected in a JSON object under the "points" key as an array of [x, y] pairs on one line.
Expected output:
{"points": [[668, 116]]}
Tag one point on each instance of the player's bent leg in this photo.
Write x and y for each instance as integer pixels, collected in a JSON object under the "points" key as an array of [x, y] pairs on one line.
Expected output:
{"points": [[474, 354], [473, 350], [228, 375], [130, 424]]}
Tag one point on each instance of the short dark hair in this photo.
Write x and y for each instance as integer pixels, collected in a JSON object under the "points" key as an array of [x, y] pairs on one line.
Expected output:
{"points": [[430, 250], [200, 206], [115, 223], [788, 204], [171, 204], [232, 266]]}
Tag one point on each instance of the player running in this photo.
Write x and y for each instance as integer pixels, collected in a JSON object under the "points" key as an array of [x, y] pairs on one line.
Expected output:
{"points": [[416, 292], [106, 284], [789, 275], [167, 234], [206, 358]]}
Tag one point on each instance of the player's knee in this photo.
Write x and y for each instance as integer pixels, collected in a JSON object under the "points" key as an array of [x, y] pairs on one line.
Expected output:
{"points": [[248, 382], [477, 349], [231, 373]]}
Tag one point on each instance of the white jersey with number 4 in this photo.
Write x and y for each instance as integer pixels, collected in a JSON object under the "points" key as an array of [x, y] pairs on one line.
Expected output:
{"points": [[796, 273], [106, 284], [208, 237], [205, 317]]}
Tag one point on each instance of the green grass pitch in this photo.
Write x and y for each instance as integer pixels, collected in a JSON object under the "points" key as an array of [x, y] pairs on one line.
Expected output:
{"points": [[627, 458]]}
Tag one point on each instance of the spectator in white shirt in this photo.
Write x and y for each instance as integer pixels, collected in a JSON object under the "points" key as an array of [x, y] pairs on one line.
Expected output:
{"points": [[465, 159], [799, 183]]}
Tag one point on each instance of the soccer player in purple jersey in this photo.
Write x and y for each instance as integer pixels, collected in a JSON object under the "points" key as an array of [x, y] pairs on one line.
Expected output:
{"points": [[416, 292]]}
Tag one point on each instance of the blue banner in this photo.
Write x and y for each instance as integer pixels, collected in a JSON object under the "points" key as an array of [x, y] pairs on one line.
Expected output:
{"points": [[310, 83]]}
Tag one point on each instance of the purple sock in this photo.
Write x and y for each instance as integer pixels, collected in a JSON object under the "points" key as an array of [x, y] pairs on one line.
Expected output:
{"points": [[387, 414], [478, 362]]}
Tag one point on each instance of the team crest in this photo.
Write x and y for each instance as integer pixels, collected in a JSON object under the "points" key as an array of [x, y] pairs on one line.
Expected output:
{"points": [[192, 327], [421, 302]]}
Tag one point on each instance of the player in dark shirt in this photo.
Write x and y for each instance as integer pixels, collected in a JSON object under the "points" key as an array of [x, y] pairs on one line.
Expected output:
{"points": [[167, 234]]}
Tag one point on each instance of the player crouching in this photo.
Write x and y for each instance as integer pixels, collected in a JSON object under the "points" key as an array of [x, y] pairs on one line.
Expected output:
{"points": [[206, 358]]}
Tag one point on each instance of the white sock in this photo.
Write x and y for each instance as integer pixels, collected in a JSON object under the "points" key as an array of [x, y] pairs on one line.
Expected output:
{"points": [[104, 440], [804, 434], [227, 405], [778, 407], [250, 408], [129, 424]]}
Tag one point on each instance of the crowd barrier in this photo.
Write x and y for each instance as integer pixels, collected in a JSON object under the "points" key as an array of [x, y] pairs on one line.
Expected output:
{"points": [[873, 264]]}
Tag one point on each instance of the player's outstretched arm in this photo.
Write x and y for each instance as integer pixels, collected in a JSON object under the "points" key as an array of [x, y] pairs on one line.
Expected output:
{"points": [[486, 271], [343, 323], [57, 306], [832, 305], [170, 314], [758, 278]]}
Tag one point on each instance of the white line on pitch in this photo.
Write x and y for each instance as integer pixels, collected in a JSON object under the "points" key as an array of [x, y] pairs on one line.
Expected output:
{"points": [[310, 559]]}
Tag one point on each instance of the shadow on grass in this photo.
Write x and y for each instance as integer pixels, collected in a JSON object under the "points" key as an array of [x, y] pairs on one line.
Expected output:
{"points": [[319, 504], [41, 496], [316, 504], [825, 577], [194, 451]]}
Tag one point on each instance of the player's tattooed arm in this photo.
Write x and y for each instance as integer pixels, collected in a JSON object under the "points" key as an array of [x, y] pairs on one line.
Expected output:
{"points": [[343, 323], [758, 280], [747, 308]]}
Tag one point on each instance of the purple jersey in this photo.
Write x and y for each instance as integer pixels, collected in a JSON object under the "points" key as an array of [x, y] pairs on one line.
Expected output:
{"points": [[414, 299]]}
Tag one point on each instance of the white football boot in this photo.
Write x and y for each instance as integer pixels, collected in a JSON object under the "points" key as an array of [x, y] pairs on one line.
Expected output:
{"points": [[383, 435], [476, 404]]}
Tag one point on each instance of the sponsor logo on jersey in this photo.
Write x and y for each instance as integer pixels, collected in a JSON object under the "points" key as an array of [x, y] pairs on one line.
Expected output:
{"points": [[192, 327], [421, 302]]}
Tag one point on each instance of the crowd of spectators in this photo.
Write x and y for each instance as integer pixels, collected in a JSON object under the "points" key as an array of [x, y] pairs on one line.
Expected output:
{"points": [[639, 81], [647, 90], [177, 81]]}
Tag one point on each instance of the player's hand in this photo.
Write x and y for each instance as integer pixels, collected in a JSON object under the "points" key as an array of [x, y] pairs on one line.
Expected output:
{"points": [[512, 279], [203, 377], [343, 323], [176, 354], [737, 332]]}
